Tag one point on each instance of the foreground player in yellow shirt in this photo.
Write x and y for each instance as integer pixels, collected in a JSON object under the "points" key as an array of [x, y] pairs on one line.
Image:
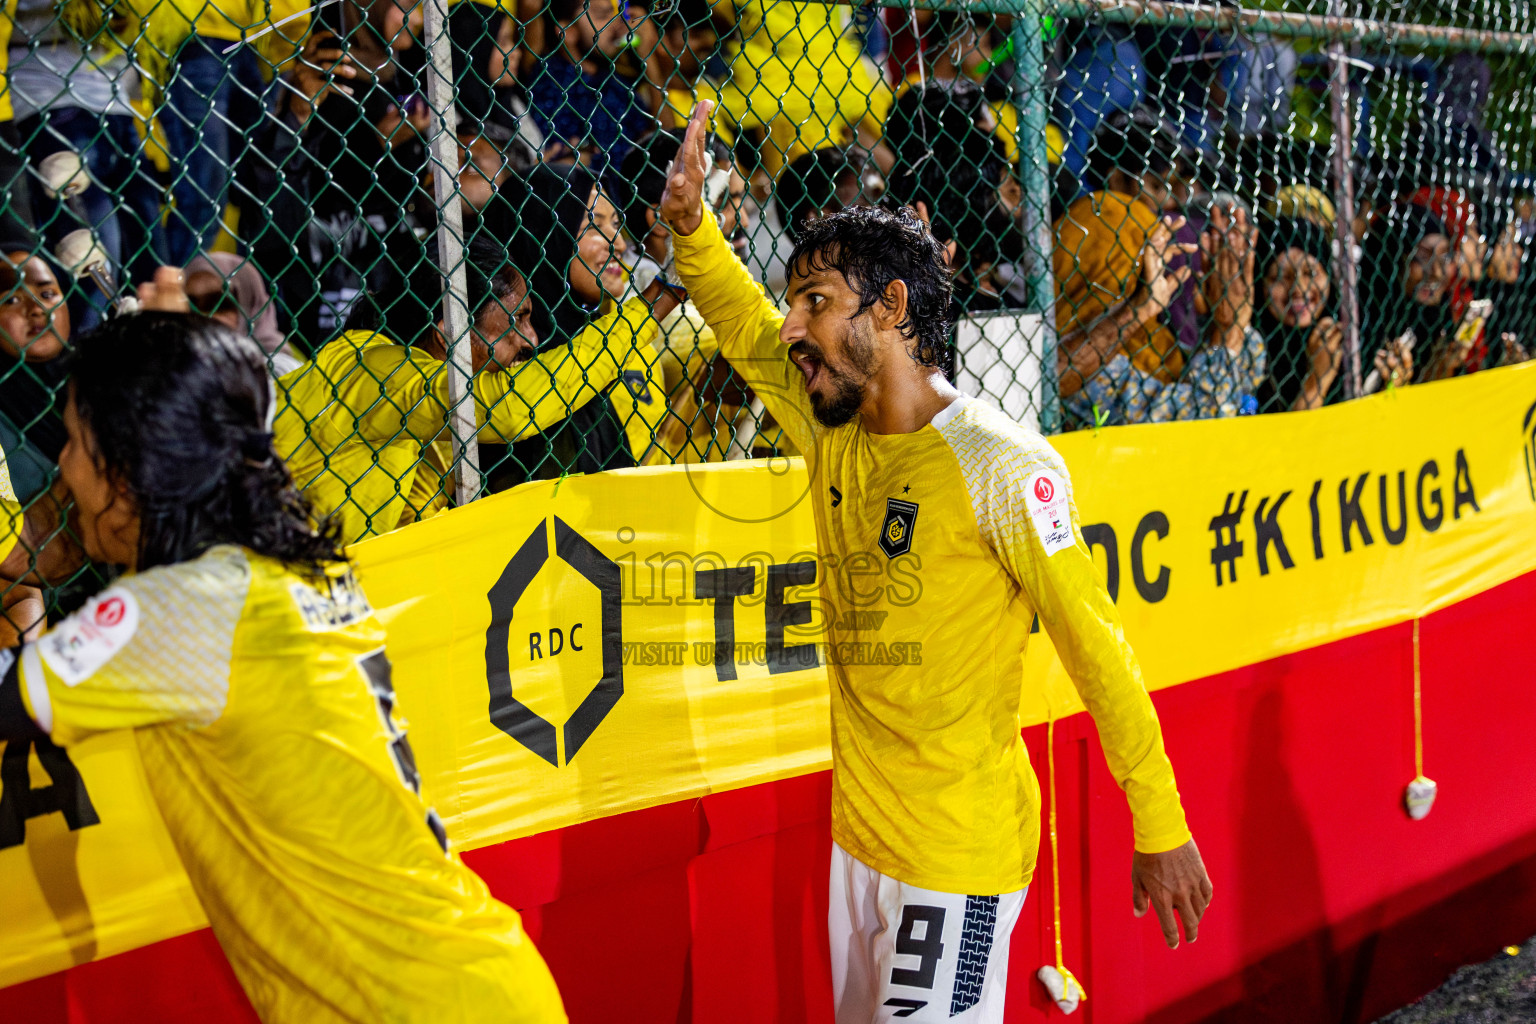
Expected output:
{"points": [[935, 809], [245, 658]]}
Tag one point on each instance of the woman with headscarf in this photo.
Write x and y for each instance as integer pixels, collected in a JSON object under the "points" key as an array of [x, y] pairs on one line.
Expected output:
{"points": [[1408, 288], [1480, 273], [1301, 338], [230, 289], [568, 233], [34, 331], [365, 425], [1097, 264]]}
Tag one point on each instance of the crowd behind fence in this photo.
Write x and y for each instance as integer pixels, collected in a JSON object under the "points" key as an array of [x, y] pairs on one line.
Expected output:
{"points": [[440, 223]]}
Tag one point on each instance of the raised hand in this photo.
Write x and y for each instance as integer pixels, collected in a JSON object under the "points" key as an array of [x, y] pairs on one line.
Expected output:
{"points": [[1175, 885], [1508, 253], [1228, 245], [166, 294], [682, 204], [1324, 342], [314, 75], [1394, 361], [1159, 284]]}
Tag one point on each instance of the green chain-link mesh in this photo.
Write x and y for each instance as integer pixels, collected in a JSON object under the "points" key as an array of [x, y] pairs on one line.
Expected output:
{"points": [[1245, 211]]}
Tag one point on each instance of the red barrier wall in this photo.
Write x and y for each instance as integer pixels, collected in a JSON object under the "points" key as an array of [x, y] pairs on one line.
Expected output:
{"points": [[1330, 904]]}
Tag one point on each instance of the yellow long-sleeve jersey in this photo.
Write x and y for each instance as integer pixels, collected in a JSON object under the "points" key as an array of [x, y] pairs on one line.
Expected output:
{"points": [[7, 22], [262, 707], [10, 512], [938, 548], [361, 425]]}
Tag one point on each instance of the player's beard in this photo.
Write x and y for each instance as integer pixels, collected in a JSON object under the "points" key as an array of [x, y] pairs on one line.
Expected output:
{"points": [[849, 384]]}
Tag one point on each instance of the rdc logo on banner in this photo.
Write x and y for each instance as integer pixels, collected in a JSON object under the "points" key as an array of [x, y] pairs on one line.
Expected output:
{"points": [[508, 713]]}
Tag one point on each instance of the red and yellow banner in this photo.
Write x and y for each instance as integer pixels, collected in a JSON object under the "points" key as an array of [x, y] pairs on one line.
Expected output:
{"points": [[572, 650]]}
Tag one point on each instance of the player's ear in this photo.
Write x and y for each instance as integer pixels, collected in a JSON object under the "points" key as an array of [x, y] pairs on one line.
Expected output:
{"points": [[891, 310]]}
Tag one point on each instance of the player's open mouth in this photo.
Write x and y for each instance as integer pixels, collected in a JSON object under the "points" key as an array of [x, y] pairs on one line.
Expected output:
{"points": [[808, 363]]}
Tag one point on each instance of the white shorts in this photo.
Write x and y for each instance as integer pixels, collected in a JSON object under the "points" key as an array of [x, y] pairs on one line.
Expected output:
{"points": [[904, 953]]}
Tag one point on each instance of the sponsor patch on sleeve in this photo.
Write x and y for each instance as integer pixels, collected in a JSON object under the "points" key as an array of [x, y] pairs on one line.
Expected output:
{"points": [[1045, 496], [80, 645]]}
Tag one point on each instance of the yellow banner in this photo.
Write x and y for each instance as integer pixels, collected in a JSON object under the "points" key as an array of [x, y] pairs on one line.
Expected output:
{"points": [[1235, 541], [573, 650]]}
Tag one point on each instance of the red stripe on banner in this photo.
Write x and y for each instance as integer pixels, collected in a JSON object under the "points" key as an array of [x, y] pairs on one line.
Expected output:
{"points": [[1330, 904]]}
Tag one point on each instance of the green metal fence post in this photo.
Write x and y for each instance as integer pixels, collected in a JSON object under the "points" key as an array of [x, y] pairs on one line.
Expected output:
{"points": [[444, 151], [1029, 96], [1344, 202]]}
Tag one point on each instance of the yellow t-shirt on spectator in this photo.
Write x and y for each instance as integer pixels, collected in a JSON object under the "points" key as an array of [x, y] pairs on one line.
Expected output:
{"points": [[169, 22], [7, 22], [10, 512], [800, 74], [639, 399], [360, 425]]}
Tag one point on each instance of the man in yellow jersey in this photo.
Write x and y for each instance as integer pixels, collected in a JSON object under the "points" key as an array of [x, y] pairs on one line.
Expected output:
{"points": [[363, 425], [935, 809], [245, 658]]}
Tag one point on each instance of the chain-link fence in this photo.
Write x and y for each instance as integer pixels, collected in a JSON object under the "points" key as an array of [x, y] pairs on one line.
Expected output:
{"points": [[440, 220]]}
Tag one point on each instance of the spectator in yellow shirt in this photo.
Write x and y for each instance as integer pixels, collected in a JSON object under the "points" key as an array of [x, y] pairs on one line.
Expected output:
{"points": [[798, 76], [364, 425]]}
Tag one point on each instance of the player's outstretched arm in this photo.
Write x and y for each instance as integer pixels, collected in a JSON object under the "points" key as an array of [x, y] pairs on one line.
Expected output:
{"points": [[1026, 511], [517, 402]]}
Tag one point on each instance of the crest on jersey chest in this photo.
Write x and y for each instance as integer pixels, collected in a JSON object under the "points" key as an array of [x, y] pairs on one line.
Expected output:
{"points": [[897, 527]]}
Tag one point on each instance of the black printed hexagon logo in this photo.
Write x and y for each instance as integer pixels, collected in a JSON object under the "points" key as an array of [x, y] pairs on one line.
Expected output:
{"points": [[1528, 448], [511, 715]]}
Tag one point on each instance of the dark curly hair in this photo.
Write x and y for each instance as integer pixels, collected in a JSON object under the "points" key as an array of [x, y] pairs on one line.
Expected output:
{"points": [[1135, 142], [178, 406], [872, 246], [409, 315]]}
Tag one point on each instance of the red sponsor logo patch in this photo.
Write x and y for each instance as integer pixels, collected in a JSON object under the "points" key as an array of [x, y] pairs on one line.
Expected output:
{"points": [[1044, 490], [110, 612]]}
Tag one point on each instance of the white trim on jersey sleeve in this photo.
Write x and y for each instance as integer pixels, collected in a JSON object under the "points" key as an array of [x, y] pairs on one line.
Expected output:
{"points": [[156, 647], [949, 412], [182, 652], [37, 688], [999, 460]]}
